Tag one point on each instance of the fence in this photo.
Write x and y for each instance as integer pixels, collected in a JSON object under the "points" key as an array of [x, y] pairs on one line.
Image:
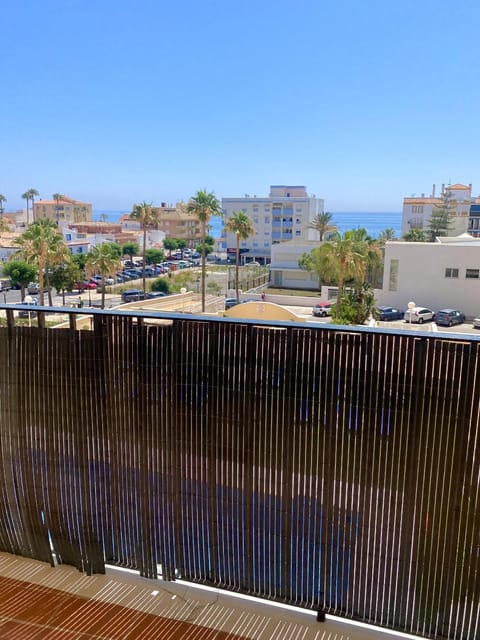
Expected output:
{"points": [[336, 470]]}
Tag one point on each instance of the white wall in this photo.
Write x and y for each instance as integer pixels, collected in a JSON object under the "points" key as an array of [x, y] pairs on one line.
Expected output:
{"points": [[421, 275]]}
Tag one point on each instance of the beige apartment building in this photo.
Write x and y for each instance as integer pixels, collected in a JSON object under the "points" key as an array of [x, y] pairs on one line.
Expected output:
{"points": [[64, 211], [417, 210], [176, 223]]}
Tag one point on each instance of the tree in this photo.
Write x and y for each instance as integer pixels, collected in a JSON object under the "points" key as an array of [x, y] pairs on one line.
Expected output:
{"points": [[203, 206], [170, 244], [356, 306], [57, 254], [440, 222], [64, 276], [4, 226], [415, 235], [160, 284], [242, 226], [322, 223], [319, 264], [2, 201], [130, 249], [33, 194], [153, 256], [80, 259], [36, 245], [346, 256], [387, 235], [21, 273], [104, 260], [148, 217], [26, 196], [115, 248]]}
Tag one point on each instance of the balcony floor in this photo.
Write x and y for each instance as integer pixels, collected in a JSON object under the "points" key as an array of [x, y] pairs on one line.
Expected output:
{"points": [[40, 602]]}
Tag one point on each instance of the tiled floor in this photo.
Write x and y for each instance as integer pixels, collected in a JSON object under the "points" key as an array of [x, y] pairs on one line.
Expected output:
{"points": [[43, 603]]}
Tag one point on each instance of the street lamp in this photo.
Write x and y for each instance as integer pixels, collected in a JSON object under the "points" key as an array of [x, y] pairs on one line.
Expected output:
{"points": [[411, 306]]}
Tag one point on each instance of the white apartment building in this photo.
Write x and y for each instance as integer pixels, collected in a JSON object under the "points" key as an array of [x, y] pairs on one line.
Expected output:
{"points": [[284, 269], [417, 210], [439, 275], [282, 216]]}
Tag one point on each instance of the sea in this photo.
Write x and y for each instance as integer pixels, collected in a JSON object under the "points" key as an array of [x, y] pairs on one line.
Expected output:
{"points": [[373, 222]]}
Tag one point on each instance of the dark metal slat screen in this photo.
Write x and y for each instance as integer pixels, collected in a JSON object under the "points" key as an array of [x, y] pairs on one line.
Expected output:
{"points": [[326, 469]]}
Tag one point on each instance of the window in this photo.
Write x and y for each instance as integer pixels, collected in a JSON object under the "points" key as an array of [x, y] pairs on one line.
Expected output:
{"points": [[255, 208], [393, 281], [472, 273], [267, 219], [418, 209], [451, 273], [298, 233]]}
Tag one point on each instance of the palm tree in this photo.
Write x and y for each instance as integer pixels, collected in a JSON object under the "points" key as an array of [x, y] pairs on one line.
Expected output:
{"points": [[57, 197], [2, 200], [203, 206], [102, 259], [241, 225], [322, 223], [147, 215], [387, 235], [349, 256], [26, 196], [58, 254], [35, 246], [33, 194]]}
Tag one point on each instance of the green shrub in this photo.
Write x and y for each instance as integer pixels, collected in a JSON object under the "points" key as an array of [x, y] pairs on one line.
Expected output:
{"points": [[160, 284]]}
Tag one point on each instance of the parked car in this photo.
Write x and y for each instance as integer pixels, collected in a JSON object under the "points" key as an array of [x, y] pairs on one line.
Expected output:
{"points": [[156, 294], [322, 309], [33, 288], [121, 277], [418, 314], [476, 322], [85, 284], [389, 313], [27, 313], [132, 295], [5, 284], [449, 317], [230, 302]]}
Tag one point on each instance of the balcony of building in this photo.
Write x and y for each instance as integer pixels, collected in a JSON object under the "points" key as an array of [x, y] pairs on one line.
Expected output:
{"points": [[332, 469]]}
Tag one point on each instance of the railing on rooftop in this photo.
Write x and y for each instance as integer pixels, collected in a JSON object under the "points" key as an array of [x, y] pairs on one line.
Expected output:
{"points": [[333, 468]]}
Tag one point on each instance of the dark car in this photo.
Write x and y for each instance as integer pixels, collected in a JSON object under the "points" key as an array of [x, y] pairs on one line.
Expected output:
{"points": [[132, 295], [230, 302], [155, 294], [389, 313], [449, 317]]}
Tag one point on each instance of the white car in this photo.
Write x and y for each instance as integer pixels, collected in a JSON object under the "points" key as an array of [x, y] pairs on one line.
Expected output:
{"points": [[476, 322], [418, 314]]}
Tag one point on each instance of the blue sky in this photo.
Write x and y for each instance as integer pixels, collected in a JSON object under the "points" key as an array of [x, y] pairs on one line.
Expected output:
{"points": [[114, 102]]}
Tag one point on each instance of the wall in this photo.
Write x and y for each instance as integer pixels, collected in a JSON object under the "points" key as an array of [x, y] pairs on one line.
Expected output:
{"points": [[421, 275]]}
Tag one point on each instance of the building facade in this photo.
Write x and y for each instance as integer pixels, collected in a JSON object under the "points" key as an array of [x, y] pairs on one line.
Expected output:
{"points": [[417, 211], [64, 211], [173, 222], [438, 275], [282, 216]]}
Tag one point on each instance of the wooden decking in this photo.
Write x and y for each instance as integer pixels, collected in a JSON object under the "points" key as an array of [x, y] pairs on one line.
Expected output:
{"points": [[38, 602]]}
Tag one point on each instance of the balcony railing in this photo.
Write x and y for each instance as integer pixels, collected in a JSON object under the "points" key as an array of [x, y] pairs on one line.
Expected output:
{"points": [[333, 468]]}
